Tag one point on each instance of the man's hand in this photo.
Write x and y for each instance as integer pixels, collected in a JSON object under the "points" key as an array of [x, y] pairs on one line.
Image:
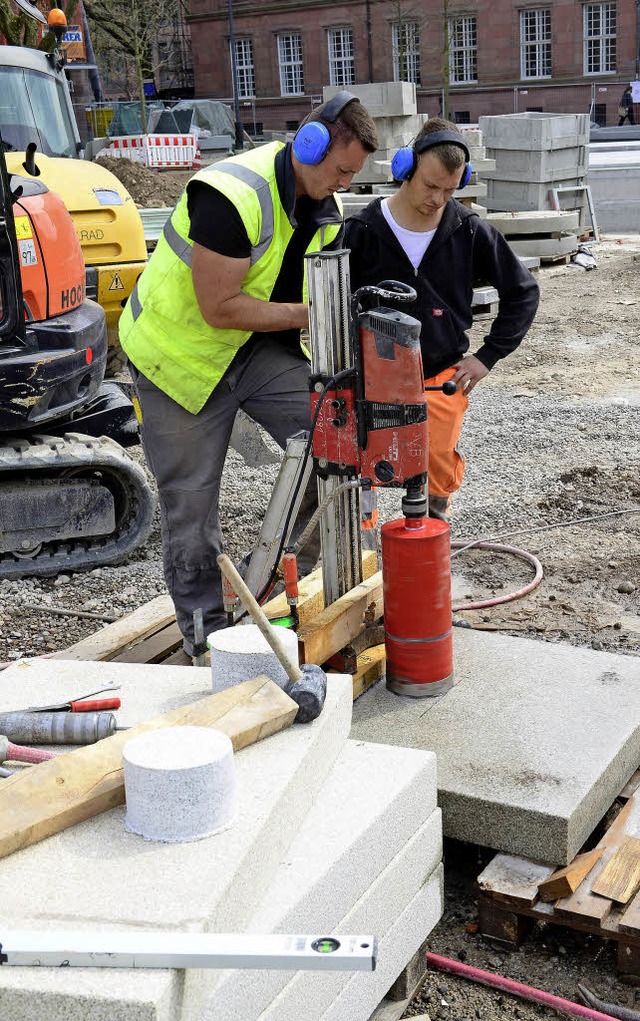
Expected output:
{"points": [[470, 371]]}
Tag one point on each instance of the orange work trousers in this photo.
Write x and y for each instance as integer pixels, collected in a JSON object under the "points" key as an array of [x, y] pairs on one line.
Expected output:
{"points": [[446, 414]]}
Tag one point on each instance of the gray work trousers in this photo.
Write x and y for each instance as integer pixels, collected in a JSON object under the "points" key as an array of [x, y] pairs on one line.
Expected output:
{"points": [[186, 454]]}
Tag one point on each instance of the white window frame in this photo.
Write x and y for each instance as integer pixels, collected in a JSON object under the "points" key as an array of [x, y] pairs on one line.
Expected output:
{"points": [[290, 64], [244, 68], [463, 50], [405, 35], [342, 64], [535, 43], [599, 38]]}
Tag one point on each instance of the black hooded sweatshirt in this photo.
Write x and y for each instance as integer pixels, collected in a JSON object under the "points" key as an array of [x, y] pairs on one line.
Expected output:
{"points": [[464, 252]]}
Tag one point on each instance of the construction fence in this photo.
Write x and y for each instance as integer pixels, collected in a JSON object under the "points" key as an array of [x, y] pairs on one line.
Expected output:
{"points": [[260, 115]]}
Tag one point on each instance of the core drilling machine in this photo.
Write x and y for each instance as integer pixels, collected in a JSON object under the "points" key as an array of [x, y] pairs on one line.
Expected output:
{"points": [[369, 429], [370, 421]]}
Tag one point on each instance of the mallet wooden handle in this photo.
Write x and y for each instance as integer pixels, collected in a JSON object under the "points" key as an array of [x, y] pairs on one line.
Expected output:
{"points": [[259, 617]]}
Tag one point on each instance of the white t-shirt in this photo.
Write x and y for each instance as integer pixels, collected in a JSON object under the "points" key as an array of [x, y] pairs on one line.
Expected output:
{"points": [[414, 242]]}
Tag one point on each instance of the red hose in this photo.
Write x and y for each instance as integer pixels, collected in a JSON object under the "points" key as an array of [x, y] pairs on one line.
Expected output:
{"points": [[508, 985], [20, 753], [497, 547]]}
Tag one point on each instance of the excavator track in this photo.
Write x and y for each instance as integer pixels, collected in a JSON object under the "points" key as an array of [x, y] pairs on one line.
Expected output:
{"points": [[69, 503]]}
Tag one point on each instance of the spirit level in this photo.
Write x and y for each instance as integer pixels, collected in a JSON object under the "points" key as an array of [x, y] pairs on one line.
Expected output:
{"points": [[85, 949]]}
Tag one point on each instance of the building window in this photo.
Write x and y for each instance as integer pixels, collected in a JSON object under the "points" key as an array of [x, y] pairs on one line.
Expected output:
{"points": [[535, 43], [244, 69], [463, 50], [290, 61], [599, 38], [405, 43], [342, 65]]}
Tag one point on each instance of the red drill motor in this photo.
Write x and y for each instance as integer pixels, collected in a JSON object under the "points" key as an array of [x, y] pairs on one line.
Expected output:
{"points": [[371, 421]]}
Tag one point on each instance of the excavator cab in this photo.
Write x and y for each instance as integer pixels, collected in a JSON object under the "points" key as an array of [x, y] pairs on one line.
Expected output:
{"points": [[70, 498]]}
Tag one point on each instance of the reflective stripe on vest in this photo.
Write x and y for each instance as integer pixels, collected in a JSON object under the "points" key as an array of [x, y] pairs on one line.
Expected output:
{"points": [[263, 192]]}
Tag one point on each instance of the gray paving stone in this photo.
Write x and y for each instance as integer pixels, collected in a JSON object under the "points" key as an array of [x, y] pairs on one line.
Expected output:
{"points": [[96, 874], [364, 825], [364, 991], [533, 742]]}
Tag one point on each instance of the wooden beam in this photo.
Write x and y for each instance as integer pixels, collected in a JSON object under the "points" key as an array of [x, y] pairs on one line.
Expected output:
{"points": [[112, 639], [371, 667], [311, 591], [566, 880], [75, 786], [339, 623], [154, 648]]}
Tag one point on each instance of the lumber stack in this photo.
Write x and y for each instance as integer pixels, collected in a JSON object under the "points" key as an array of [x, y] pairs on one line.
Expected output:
{"points": [[598, 892]]}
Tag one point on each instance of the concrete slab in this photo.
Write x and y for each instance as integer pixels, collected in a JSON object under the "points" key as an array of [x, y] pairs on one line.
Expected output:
{"points": [[540, 221], [363, 825], [545, 248], [98, 875], [378, 912], [362, 993], [533, 742]]}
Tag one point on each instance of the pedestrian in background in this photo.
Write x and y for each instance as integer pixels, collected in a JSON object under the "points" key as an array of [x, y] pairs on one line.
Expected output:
{"points": [[625, 110]]}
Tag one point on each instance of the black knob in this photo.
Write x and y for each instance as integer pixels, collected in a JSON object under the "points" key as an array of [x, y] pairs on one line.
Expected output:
{"points": [[449, 388], [384, 471]]}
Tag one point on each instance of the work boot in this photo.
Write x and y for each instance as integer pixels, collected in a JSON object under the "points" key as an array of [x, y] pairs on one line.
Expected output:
{"points": [[440, 507]]}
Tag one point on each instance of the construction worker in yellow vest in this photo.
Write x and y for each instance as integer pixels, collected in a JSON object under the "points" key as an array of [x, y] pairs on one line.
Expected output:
{"points": [[213, 326]]}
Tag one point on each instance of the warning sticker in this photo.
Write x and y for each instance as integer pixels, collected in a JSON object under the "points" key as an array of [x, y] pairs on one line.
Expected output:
{"points": [[28, 253], [116, 283], [23, 227]]}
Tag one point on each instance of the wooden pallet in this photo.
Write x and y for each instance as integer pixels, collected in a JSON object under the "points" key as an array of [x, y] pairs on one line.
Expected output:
{"points": [[150, 634], [595, 893]]}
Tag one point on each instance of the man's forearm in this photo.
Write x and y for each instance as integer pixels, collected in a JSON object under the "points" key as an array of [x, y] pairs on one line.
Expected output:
{"points": [[244, 312]]}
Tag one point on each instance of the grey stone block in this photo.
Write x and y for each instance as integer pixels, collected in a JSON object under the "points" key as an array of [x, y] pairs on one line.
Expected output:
{"points": [[533, 743], [545, 248], [364, 821], [540, 221], [105, 877], [363, 992], [382, 99]]}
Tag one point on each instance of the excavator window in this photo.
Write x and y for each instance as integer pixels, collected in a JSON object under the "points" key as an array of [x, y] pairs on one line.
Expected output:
{"points": [[31, 101]]}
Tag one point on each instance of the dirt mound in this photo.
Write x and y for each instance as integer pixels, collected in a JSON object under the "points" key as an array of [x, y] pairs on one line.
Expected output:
{"points": [[149, 189]]}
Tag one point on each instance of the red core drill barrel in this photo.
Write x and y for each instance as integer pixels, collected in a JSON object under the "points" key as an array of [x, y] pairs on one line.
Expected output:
{"points": [[416, 574]]}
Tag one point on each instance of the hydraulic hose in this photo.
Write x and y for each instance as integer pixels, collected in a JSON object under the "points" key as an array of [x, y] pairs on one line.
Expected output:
{"points": [[501, 548], [508, 985]]}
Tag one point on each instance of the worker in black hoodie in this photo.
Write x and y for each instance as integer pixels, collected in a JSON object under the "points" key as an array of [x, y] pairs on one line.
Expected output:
{"points": [[422, 236]]}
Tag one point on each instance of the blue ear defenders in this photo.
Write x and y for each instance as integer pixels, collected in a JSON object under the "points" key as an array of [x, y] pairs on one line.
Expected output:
{"points": [[405, 161], [312, 140]]}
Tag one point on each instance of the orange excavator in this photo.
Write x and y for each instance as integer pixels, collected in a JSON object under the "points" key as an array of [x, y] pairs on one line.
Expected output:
{"points": [[70, 496]]}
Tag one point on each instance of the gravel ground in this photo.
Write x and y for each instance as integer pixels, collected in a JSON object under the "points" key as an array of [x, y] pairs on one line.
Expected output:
{"points": [[552, 436]]}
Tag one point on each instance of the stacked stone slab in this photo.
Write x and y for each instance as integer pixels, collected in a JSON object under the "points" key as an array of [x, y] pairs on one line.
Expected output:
{"points": [[330, 834], [394, 109], [534, 153], [548, 235]]}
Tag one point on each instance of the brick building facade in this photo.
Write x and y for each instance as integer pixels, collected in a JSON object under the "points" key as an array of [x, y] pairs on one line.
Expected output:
{"points": [[467, 59]]}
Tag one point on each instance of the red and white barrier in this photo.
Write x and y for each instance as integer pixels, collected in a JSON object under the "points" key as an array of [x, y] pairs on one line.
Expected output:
{"points": [[157, 151]]}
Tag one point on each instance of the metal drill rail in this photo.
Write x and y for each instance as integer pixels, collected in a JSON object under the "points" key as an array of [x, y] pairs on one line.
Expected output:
{"points": [[330, 343]]}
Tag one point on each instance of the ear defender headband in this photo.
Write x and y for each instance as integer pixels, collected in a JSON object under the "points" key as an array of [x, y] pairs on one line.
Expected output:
{"points": [[312, 140], [405, 161]]}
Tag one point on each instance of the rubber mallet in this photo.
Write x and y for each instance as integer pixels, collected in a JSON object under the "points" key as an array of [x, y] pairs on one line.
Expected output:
{"points": [[307, 684]]}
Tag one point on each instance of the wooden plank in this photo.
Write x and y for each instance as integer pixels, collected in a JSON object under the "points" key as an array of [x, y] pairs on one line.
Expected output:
{"points": [[154, 648], [371, 667], [69, 788], [620, 878], [112, 639], [630, 787], [513, 880], [566, 880], [339, 623], [630, 920], [311, 592], [583, 905]]}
